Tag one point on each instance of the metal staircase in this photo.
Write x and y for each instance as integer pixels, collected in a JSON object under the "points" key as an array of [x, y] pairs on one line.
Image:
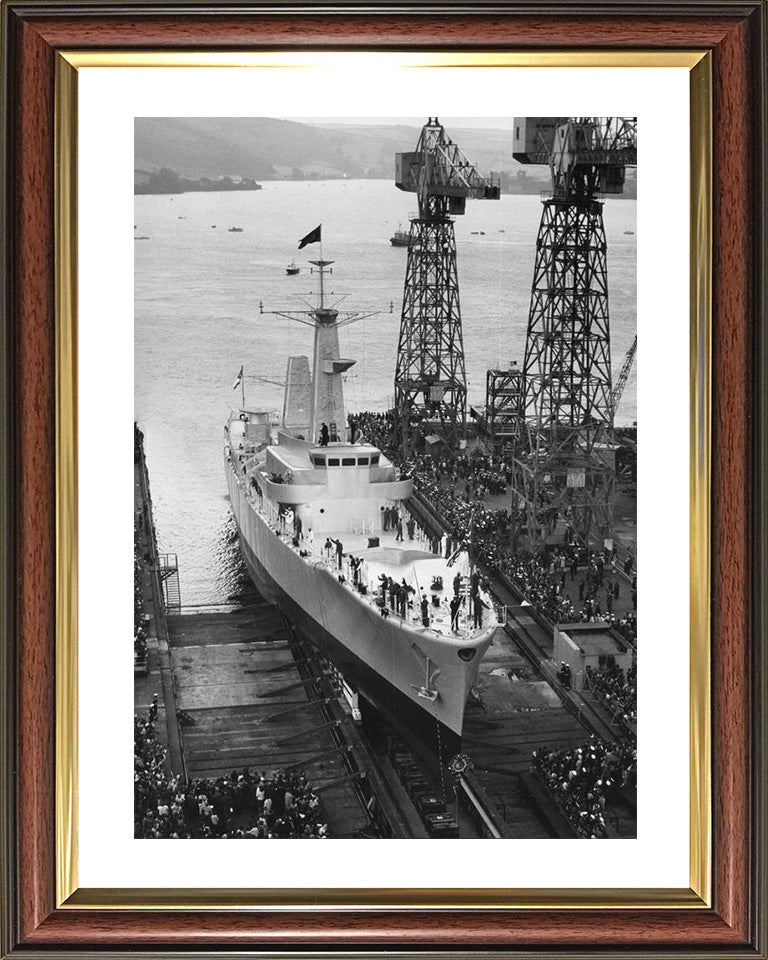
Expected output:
{"points": [[168, 569]]}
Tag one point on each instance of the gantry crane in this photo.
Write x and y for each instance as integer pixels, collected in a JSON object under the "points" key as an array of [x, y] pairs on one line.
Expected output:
{"points": [[564, 475], [430, 379], [618, 390]]}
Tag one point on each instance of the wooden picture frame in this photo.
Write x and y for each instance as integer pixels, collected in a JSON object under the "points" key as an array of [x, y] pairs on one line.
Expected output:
{"points": [[38, 542]]}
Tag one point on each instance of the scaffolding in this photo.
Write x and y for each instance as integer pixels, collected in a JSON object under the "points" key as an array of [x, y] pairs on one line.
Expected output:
{"points": [[430, 378], [564, 469], [504, 398]]}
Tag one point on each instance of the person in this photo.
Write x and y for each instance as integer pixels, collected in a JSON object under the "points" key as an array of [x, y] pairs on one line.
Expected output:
{"points": [[474, 584], [153, 710], [455, 607], [339, 552], [411, 527], [424, 610], [298, 526], [402, 599], [328, 548], [324, 435], [478, 605], [394, 595], [457, 584], [399, 528], [386, 519]]}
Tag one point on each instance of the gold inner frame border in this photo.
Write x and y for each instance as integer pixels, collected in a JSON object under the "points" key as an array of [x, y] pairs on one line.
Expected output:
{"points": [[68, 893]]}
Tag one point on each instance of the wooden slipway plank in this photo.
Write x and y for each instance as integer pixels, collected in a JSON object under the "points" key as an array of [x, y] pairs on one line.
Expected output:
{"points": [[226, 681]]}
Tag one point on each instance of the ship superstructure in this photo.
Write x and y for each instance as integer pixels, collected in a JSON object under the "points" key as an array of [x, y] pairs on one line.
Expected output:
{"points": [[325, 533]]}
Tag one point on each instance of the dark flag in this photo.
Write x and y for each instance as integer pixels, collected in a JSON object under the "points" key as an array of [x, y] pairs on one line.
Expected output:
{"points": [[312, 237]]}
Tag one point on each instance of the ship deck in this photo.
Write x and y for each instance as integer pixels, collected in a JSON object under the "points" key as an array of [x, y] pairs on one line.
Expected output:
{"points": [[409, 560]]}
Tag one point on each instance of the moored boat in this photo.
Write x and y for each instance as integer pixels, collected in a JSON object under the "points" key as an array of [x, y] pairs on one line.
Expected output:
{"points": [[400, 238]]}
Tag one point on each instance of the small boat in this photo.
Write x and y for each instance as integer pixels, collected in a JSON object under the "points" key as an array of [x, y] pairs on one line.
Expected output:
{"points": [[292, 269], [141, 238], [400, 238], [235, 229], [629, 233], [213, 226]]}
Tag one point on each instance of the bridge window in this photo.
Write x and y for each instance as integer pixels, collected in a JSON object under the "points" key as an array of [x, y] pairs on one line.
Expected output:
{"points": [[348, 462], [375, 460], [318, 460], [363, 461], [333, 461]]}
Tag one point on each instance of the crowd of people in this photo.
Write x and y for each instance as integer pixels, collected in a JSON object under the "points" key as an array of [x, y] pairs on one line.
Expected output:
{"points": [[457, 488], [616, 689], [139, 623], [582, 780], [241, 805], [542, 582]]}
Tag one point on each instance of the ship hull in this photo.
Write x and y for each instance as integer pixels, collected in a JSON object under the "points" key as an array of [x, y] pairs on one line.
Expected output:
{"points": [[432, 739], [386, 659]]}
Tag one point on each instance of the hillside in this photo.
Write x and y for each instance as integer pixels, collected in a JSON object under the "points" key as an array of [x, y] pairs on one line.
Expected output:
{"points": [[265, 148]]}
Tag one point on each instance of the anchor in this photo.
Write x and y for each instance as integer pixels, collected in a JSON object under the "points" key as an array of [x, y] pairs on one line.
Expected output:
{"points": [[425, 691]]}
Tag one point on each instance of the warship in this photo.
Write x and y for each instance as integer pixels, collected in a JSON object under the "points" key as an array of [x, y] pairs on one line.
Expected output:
{"points": [[321, 517]]}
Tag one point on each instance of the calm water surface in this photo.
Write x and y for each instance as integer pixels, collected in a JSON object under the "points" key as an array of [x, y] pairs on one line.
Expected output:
{"points": [[197, 319]]}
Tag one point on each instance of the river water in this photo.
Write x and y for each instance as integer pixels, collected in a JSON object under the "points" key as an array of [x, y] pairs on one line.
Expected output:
{"points": [[197, 319]]}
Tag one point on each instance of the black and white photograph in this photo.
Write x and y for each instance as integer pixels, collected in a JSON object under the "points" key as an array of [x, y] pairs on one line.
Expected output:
{"points": [[385, 477]]}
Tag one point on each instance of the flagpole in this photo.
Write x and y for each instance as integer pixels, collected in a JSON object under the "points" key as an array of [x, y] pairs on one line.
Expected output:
{"points": [[242, 387], [322, 303]]}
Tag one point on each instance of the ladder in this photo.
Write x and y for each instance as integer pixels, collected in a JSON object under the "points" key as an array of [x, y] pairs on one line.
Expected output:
{"points": [[168, 569]]}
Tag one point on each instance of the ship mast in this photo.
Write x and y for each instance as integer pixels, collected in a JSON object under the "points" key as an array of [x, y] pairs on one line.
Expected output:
{"points": [[325, 380]]}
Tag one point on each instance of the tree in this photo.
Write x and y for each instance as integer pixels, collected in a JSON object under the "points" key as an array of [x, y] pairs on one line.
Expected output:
{"points": [[165, 180]]}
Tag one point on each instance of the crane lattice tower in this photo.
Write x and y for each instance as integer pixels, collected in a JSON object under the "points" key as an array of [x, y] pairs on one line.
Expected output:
{"points": [[430, 378], [565, 472]]}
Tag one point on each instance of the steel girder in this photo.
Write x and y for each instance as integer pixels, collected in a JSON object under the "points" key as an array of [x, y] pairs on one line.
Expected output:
{"points": [[430, 379], [566, 470]]}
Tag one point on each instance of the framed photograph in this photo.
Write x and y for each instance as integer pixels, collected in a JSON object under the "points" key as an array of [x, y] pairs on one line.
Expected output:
{"points": [[346, 355]]}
